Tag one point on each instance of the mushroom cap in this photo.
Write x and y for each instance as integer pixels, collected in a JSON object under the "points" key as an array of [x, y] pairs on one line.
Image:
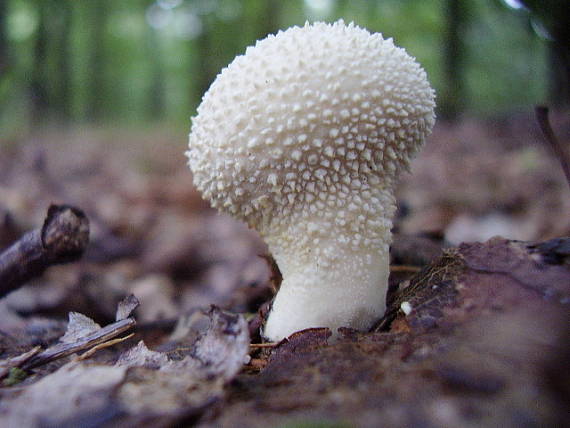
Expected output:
{"points": [[312, 110]]}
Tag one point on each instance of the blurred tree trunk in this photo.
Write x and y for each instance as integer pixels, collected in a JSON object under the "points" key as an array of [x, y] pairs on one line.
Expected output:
{"points": [[38, 80], [51, 74], [62, 16], [559, 69], [260, 18], [554, 16], [558, 23], [342, 6], [453, 97], [156, 91], [4, 59], [96, 78], [269, 19], [206, 72], [371, 15], [156, 101]]}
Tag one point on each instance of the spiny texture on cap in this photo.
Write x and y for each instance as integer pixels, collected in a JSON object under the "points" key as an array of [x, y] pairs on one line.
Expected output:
{"points": [[302, 138]]}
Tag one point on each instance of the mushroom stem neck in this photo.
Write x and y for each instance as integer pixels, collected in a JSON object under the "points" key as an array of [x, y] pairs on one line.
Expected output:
{"points": [[332, 286]]}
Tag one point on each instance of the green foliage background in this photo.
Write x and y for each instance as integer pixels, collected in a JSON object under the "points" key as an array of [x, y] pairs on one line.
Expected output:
{"points": [[102, 62]]}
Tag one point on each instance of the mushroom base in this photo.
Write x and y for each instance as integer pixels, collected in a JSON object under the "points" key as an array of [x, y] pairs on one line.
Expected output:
{"points": [[353, 296]]}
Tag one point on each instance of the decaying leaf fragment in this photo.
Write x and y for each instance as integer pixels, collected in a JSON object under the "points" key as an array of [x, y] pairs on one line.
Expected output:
{"points": [[163, 385], [75, 389], [78, 326]]}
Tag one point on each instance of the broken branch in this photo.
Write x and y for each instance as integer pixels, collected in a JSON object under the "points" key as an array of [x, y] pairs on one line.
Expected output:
{"points": [[17, 361], [558, 149], [62, 239], [64, 349]]}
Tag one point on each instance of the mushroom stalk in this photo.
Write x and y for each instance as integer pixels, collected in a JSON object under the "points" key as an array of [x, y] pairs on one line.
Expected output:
{"points": [[335, 268], [303, 138]]}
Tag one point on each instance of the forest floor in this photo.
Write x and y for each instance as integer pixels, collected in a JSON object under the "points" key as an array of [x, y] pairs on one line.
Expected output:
{"points": [[486, 343]]}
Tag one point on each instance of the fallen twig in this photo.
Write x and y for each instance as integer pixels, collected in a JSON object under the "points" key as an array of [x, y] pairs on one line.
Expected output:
{"points": [[64, 349], [17, 361], [559, 150], [62, 239]]}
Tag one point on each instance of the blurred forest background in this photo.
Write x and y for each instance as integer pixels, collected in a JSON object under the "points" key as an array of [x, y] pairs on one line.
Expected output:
{"points": [[144, 63], [96, 98]]}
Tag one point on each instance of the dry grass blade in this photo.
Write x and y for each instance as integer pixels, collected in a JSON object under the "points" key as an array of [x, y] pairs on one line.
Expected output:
{"points": [[103, 345], [263, 345]]}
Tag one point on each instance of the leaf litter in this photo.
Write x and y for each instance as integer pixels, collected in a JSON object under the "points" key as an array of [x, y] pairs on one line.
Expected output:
{"points": [[140, 381], [476, 336]]}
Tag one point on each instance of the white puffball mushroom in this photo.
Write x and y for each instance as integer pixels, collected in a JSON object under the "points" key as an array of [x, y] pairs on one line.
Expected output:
{"points": [[303, 138]]}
